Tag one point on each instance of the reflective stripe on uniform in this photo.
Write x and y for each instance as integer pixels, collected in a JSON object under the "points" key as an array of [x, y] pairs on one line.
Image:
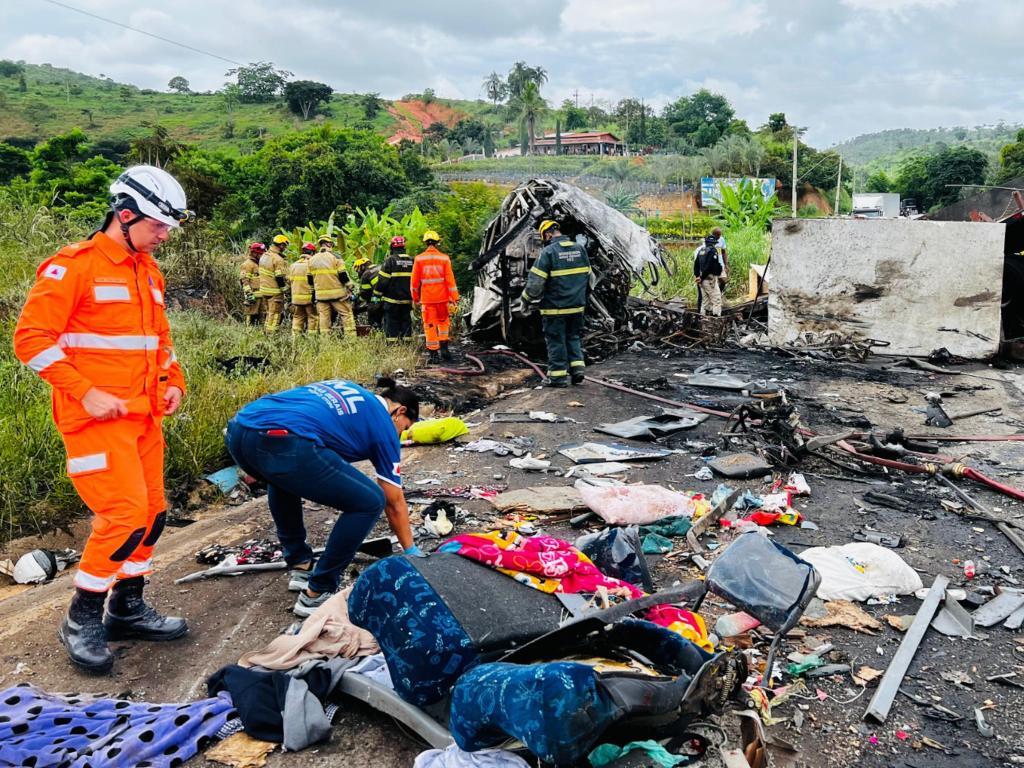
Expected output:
{"points": [[99, 341], [573, 271], [324, 271], [93, 462], [396, 301], [395, 274], [539, 272], [577, 364], [553, 374], [429, 280], [93, 583], [568, 311], [136, 569], [46, 358]]}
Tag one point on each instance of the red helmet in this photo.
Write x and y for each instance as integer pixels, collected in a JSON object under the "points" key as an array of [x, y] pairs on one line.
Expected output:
{"points": [[257, 248], [308, 248], [398, 241]]}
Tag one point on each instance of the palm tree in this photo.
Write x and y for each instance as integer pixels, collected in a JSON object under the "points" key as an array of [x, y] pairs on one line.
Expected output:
{"points": [[734, 149], [530, 106], [715, 157], [495, 88], [692, 168], [753, 155]]}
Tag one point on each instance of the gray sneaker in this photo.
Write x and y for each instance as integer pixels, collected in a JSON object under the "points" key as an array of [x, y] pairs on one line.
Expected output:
{"points": [[306, 605], [298, 580]]}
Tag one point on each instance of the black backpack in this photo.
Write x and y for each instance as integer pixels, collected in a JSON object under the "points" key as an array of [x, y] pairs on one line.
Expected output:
{"points": [[707, 264]]}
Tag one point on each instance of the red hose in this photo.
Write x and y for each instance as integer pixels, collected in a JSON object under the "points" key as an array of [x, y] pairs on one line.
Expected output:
{"points": [[978, 477], [467, 371], [517, 356]]}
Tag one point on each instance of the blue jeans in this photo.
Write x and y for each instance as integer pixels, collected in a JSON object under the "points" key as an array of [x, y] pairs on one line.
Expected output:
{"points": [[294, 469]]}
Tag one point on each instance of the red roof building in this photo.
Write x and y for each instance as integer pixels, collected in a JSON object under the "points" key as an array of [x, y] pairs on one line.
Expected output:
{"points": [[582, 143]]}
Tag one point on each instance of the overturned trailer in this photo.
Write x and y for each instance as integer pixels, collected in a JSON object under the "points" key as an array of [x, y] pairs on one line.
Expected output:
{"points": [[620, 251]]}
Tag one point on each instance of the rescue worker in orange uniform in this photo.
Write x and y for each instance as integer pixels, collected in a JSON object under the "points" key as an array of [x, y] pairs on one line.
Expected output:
{"points": [[274, 280], [433, 288], [304, 318], [95, 329], [249, 275]]}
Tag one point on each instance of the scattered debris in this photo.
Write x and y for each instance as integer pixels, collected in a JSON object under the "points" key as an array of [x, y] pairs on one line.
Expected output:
{"points": [[998, 608], [592, 453], [541, 500], [843, 613], [740, 466], [240, 750]]}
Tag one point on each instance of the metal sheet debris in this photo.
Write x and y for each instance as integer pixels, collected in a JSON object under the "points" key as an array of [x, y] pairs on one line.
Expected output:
{"points": [[593, 453], [998, 608]]}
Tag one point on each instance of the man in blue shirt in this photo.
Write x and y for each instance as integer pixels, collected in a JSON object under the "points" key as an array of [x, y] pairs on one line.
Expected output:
{"points": [[302, 442]]}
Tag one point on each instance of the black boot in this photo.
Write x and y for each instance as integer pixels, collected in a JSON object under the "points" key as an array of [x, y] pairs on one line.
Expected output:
{"points": [[83, 635], [432, 357], [129, 617], [446, 354]]}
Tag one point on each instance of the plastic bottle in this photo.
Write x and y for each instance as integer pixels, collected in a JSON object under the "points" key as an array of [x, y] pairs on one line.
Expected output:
{"points": [[969, 569]]}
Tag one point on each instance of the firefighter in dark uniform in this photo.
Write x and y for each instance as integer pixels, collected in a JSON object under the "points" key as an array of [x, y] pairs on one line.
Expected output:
{"points": [[394, 291], [367, 273], [558, 282]]}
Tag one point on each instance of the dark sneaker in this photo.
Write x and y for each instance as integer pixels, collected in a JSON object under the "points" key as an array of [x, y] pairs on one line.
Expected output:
{"points": [[298, 579]]}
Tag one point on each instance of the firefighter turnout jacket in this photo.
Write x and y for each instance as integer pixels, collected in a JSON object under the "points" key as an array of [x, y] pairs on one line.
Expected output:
{"points": [[330, 280], [393, 280], [273, 273], [368, 282], [559, 278], [249, 274], [433, 281], [298, 276]]}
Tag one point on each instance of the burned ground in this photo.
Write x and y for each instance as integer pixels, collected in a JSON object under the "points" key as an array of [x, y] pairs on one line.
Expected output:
{"points": [[233, 615]]}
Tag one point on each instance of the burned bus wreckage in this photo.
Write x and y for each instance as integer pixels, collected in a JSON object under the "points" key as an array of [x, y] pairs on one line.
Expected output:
{"points": [[620, 252]]}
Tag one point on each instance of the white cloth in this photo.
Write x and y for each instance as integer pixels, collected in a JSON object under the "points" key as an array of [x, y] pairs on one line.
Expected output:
{"points": [[861, 570], [453, 757], [635, 504], [375, 668]]}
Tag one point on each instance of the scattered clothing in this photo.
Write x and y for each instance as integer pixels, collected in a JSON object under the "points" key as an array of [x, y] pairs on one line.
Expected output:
{"points": [[861, 570], [45, 729], [552, 565], [454, 757], [432, 431], [248, 552], [326, 634], [607, 754], [485, 492], [374, 667], [636, 504], [285, 707]]}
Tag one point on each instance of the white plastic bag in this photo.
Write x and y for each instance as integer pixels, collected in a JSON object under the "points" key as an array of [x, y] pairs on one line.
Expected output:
{"points": [[635, 504], [861, 570]]}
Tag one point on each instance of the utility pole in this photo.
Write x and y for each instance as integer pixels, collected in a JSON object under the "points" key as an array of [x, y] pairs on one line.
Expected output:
{"points": [[839, 184], [795, 139], [576, 97]]}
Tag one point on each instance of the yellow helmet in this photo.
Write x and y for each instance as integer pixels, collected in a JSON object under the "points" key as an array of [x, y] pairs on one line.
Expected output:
{"points": [[325, 239], [546, 225], [360, 261], [281, 240], [431, 235]]}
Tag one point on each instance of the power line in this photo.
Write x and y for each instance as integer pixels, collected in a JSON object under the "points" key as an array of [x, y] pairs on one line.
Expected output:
{"points": [[143, 32]]}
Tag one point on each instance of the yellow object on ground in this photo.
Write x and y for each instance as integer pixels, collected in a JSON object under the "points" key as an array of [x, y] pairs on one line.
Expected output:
{"points": [[434, 431]]}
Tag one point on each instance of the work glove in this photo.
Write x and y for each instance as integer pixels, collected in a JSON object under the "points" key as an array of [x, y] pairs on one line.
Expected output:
{"points": [[375, 300], [526, 308], [415, 551], [453, 307], [249, 299]]}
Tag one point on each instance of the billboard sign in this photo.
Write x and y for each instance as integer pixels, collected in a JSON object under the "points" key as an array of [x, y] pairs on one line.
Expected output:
{"points": [[709, 188]]}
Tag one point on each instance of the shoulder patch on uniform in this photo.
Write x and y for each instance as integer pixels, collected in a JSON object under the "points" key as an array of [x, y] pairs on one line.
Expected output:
{"points": [[55, 272]]}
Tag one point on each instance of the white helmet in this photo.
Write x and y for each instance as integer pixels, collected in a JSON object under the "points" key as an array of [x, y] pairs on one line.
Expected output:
{"points": [[150, 191]]}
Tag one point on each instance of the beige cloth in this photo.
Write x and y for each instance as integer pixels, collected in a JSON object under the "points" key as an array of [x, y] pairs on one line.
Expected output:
{"points": [[324, 635]]}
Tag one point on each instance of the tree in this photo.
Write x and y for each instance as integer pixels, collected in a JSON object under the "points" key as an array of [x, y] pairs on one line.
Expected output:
{"points": [[1011, 159], [88, 113], [575, 117], [436, 132], [231, 95], [305, 96], [703, 118], [520, 75], [878, 181], [22, 84], [495, 88], [776, 122], [10, 68], [951, 167], [179, 85], [912, 181], [259, 81], [125, 92], [372, 105], [558, 137], [469, 130], [529, 107], [428, 96], [155, 149], [14, 162]]}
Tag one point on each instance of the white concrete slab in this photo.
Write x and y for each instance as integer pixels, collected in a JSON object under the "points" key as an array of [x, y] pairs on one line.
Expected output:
{"points": [[896, 280]]}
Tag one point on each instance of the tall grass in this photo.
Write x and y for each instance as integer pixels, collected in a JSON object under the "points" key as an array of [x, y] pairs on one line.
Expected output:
{"points": [[35, 493], [745, 246]]}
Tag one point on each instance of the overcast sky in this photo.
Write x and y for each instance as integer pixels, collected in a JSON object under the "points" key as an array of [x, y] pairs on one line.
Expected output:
{"points": [[839, 67]]}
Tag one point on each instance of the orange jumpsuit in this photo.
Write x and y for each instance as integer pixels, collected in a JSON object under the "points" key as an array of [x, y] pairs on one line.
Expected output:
{"points": [[95, 318], [433, 286]]}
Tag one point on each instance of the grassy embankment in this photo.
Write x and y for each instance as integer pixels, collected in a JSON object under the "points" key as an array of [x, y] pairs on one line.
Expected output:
{"points": [[34, 491]]}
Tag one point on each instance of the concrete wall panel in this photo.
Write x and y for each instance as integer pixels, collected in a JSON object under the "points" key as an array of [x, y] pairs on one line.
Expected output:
{"points": [[897, 280]]}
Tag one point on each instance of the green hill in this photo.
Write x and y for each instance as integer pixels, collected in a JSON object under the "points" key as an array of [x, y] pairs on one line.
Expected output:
{"points": [[57, 100], [886, 150]]}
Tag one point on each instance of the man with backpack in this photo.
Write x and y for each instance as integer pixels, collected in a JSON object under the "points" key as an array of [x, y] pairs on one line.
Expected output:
{"points": [[707, 267]]}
